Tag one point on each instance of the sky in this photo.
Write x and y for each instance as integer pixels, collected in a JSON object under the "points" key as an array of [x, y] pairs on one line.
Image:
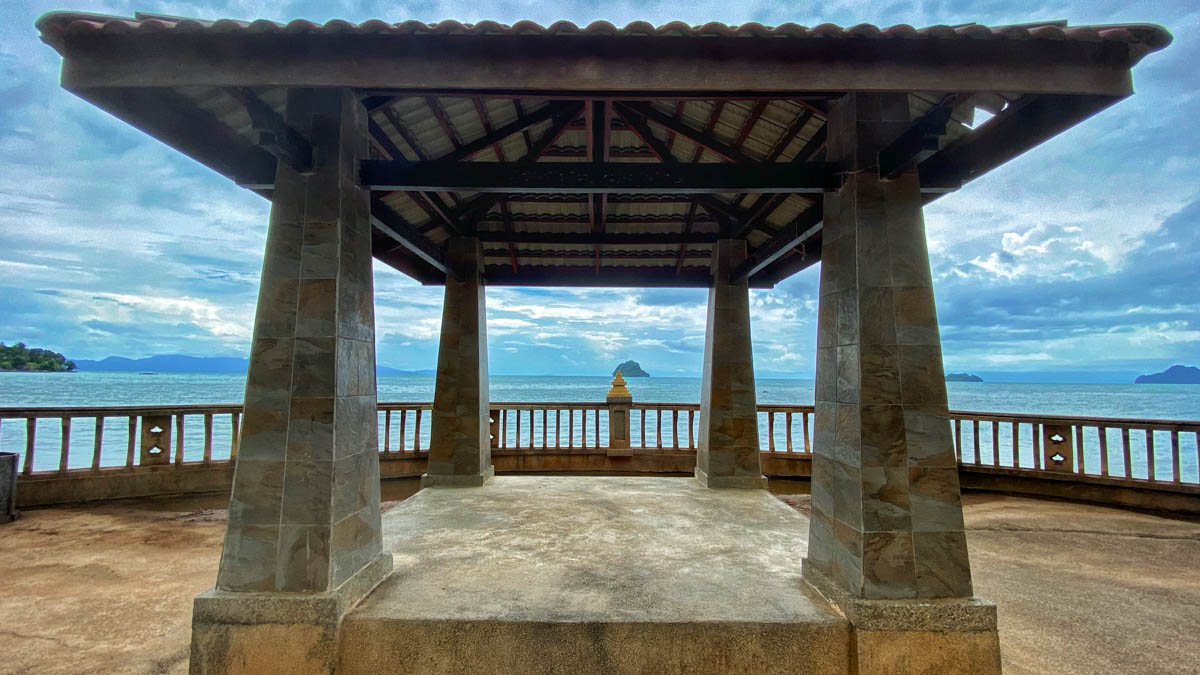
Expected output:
{"points": [[1078, 260]]}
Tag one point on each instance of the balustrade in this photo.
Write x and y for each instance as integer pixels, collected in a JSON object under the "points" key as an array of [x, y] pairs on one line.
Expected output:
{"points": [[1128, 451]]}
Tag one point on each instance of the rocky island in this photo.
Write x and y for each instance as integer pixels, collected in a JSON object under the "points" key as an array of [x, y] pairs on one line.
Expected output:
{"points": [[1174, 375], [630, 369], [963, 377]]}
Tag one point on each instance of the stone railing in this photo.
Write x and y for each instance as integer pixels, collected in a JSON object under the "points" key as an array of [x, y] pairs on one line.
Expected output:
{"points": [[80, 453]]}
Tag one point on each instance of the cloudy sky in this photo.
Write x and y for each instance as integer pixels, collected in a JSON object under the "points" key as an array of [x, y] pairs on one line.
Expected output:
{"points": [[1077, 260]]}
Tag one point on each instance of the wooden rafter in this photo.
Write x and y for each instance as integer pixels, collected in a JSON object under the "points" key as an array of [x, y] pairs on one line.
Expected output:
{"points": [[405, 133], [701, 137], [789, 135], [443, 121], [803, 227], [524, 132], [483, 203]]}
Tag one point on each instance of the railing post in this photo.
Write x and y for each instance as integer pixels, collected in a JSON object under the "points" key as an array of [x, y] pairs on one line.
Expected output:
{"points": [[620, 405]]}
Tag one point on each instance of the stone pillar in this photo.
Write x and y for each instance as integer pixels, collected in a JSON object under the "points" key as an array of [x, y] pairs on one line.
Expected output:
{"points": [[727, 455], [460, 444], [303, 542], [620, 407], [886, 538]]}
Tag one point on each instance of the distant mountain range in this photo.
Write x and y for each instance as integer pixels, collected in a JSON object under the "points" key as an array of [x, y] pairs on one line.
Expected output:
{"points": [[179, 363]]}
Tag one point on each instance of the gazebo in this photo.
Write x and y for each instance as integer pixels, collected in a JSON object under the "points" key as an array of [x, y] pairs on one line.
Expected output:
{"points": [[720, 157]]}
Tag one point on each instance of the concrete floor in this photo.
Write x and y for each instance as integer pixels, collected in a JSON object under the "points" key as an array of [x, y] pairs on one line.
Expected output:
{"points": [[1080, 589], [575, 561]]}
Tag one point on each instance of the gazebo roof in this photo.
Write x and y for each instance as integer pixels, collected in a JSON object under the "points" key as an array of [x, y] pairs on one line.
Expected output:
{"points": [[597, 155]]}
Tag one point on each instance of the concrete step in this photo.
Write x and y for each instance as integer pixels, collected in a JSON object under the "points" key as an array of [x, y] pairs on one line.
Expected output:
{"points": [[573, 574]]}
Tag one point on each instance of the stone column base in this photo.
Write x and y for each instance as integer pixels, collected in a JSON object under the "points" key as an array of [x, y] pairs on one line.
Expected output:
{"points": [[473, 480], [943, 635], [734, 482], [276, 632]]}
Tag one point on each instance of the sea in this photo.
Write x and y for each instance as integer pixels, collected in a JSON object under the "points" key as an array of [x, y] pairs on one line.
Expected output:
{"points": [[91, 388]]}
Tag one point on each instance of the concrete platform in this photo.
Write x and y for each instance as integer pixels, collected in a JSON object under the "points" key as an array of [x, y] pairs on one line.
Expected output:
{"points": [[556, 574]]}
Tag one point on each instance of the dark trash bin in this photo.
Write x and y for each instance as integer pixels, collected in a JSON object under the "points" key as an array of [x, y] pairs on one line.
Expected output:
{"points": [[8, 486]]}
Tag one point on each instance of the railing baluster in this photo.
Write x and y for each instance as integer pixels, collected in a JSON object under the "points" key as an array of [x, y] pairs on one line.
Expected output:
{"points": [[995, 443], [658, 426], [1102, 436], [98, 443], [597, 429], [132, 441], [770, 431], [1079, 467], [691, 424], [1016, 444], [235, 441], [403, 420], [387, 431], [179, 438], [558, 427], [417, 432], [1175, 456], [544, 413], [787, 417], [975, 434], [570, 427], [674, 429], [958, 439], [518, 412], [643, 427], [208, 437], [1037, 447], [30, 435], [504, 428], [1150, 454], [64, 449], [804, 432], [1125, 452]]}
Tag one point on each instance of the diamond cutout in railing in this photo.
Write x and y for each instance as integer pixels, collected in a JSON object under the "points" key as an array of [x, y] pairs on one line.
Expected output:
{"points": [[156, 429], [1057, 458], [1057, 438]]}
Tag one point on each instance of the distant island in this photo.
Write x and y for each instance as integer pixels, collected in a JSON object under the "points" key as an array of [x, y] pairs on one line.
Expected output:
{"points": [[1174, 375], [23, 359], [630, 369], [963, 377], [179, 363]]}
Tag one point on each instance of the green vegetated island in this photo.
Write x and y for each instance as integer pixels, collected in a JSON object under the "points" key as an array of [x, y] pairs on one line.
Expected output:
{"points": [[963, 377], [23, 359], [630, 369], [1176, 374]]}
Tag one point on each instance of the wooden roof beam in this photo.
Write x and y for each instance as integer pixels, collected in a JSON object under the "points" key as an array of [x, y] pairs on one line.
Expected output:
{"points": [[591, 238], [390, 223], [802, 228], [274, 134], [628, 178], [435, 106]]}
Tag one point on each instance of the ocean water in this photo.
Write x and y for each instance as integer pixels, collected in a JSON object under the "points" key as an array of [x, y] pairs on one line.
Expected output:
{"points": [[1180, 402]]}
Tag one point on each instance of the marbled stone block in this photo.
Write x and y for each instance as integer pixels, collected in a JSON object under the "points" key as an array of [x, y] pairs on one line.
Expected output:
{"points": [[888, 565], [942, 567], [310, 432], [307, 492], [304, 558], [885, 499]]}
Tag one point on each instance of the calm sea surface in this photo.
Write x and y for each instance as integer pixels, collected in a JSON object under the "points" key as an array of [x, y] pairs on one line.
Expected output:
{"points": [[97, 388]]}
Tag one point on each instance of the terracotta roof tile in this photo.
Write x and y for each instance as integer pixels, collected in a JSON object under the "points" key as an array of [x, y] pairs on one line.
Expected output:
{"points": [[56, 25]]}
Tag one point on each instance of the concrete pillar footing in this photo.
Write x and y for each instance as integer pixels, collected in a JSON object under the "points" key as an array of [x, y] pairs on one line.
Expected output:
{"points": [[458, 481], [927, 635], [748, 482], [238, 632]]}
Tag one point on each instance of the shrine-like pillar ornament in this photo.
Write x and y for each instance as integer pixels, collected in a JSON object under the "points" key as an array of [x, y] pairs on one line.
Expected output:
{"points": [[886, 539], [727, 454], [460, 444], [303, 543]]}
